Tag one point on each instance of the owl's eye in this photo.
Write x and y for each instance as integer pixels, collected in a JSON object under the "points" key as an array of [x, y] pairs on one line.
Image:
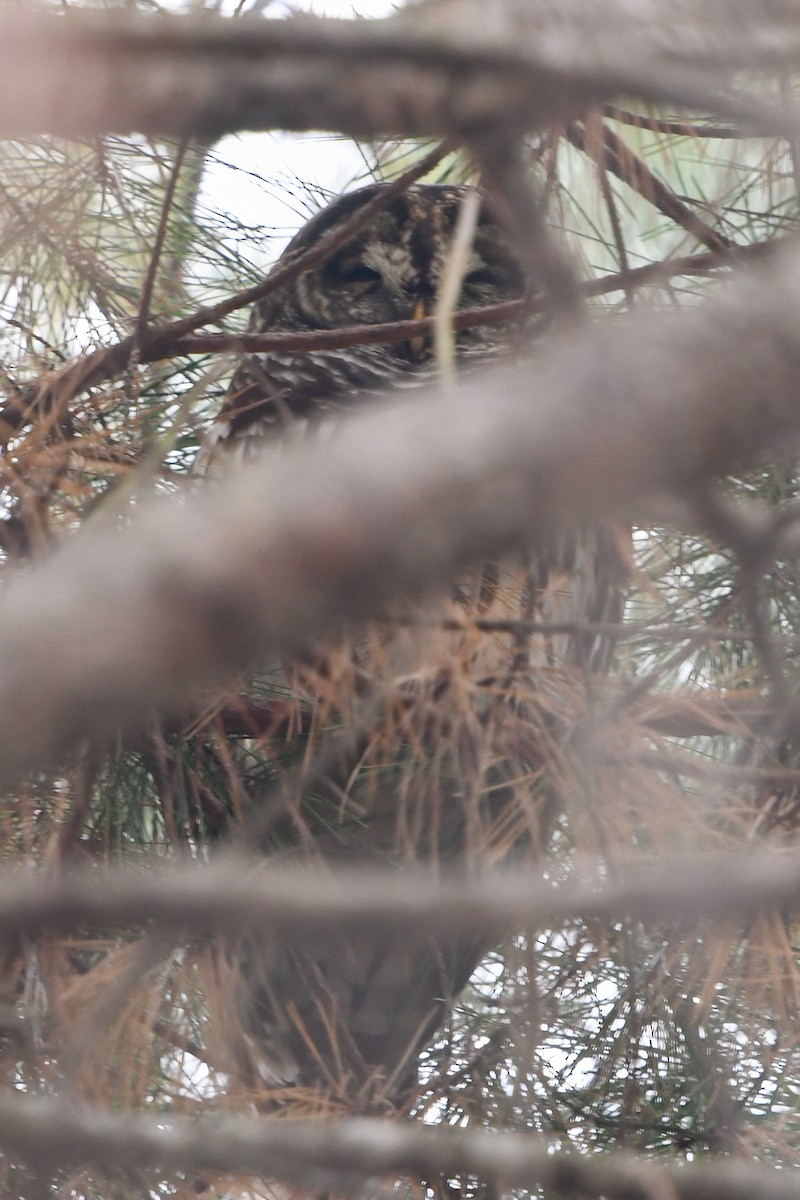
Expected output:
{"points": [[358, 272], [502, 277]]}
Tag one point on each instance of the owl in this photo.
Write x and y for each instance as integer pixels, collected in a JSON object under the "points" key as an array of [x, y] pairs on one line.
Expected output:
{"points": [[441, 731], [390, 271]]}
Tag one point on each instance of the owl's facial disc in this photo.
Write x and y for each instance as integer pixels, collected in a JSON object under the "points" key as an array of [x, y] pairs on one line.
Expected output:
{"points": [[401, 255]]}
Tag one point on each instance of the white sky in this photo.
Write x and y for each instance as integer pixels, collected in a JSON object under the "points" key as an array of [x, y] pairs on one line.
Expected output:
{"points": [[263, 190]]}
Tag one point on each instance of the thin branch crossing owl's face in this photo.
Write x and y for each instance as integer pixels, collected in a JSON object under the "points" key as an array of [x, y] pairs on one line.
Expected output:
{"points": [[390, 271]]}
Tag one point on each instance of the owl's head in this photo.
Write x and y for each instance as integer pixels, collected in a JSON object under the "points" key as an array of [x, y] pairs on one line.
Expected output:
{"points": [[391, 270]]}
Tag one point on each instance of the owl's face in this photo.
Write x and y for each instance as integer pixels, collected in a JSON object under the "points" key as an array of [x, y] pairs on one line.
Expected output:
{"points": [[390, 271], [393, 269]]}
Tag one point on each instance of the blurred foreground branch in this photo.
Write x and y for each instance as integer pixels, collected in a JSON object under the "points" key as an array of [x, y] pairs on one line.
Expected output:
{"points": [[348, 1152], [231, 896], [606, 421], [462, 69]]}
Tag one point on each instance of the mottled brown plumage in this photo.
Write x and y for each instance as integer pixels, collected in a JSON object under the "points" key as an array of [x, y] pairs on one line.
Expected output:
{"points": [[454, 736]]}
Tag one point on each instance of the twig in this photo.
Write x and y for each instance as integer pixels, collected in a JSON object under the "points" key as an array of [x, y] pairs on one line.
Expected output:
{"points": [[455, 269], [143, 315], [688, 128], [620, 159], [166, 341]]}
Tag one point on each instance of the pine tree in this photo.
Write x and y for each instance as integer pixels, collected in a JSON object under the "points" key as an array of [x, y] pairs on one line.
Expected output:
{"points": [[674, 1039]]}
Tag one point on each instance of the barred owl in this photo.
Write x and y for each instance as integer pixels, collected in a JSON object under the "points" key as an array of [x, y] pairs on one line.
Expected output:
{"points": [[454, 716], [390, 271]]}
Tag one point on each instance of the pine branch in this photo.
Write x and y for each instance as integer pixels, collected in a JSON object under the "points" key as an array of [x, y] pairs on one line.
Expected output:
{"points": [[346, 1153], [321, 534], [414, 74]]}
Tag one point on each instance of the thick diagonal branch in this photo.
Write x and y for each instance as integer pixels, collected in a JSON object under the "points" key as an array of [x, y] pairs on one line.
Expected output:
{"points": [[122, 621]]}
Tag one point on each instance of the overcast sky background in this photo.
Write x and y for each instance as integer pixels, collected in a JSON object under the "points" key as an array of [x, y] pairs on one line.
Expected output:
{"points": [[272, 182]]}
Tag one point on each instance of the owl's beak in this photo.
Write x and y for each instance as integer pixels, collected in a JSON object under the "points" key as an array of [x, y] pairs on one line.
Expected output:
{"points": [[417, 344]]}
